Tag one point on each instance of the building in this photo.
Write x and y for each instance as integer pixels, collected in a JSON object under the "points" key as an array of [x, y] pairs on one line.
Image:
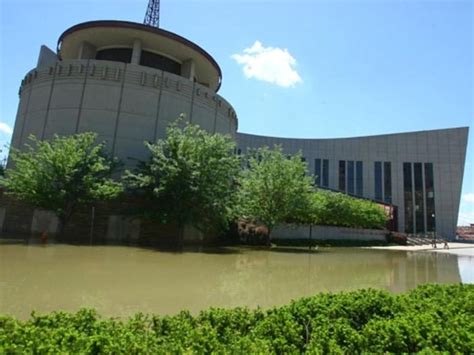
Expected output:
{"points": [[419, 172], [127, 81]]}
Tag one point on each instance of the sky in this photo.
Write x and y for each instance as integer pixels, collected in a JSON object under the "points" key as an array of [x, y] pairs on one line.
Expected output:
{"points": [[291, 68]]}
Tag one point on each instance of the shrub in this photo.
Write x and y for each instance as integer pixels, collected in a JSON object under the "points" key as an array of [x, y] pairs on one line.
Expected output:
{"points": [[431, 318], [337, 209]]}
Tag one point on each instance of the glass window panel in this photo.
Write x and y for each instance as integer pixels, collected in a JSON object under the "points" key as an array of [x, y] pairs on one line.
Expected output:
{"points": [[387, 177], [342, 175], [350, 177], [157, 61], [408, 194], [419, 210], [359, 179], [326, 172], [378, 180], [115, 54], [430, 198], [317, 171]]}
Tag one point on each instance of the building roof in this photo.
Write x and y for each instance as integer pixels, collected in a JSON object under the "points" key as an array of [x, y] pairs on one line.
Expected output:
{"points": [[109, 33]]}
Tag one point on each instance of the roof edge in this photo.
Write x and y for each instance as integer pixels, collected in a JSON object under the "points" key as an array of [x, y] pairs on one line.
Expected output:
{"points": [[142, 27]]}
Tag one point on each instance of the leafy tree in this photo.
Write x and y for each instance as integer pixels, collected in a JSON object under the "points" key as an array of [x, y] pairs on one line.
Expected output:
{"points": [[274, 188], [2, 164], [189, 178], [62, 174]]}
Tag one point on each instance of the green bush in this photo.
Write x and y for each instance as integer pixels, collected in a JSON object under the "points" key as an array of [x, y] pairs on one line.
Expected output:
{"points": [[337, 209], [431, 318]]}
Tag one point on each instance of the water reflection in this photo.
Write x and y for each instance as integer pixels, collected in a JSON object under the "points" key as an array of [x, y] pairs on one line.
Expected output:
{"points": [[466, 268], [120, 281]]}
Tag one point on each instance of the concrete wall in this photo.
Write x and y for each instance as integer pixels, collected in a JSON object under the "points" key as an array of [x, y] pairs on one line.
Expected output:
{"points": [[105, 222], [327, 233], [44, 221], [2, 217], [445, 148], [125, 104]]}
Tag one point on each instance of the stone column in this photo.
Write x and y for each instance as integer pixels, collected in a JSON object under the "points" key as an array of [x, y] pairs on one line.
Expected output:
{"points": [[87, 51], [137, 52], [188, 69]]}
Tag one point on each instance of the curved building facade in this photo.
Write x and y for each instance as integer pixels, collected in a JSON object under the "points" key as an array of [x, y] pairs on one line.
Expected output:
{"points": [[124, 81], [127, 82], [418, 172]]}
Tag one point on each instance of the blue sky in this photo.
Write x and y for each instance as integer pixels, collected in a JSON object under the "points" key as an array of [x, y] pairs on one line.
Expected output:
{"points": [[319, 69]]}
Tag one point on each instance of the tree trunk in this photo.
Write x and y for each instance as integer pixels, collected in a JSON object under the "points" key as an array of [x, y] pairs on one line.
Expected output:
{"points": [[181, 235], [64, 219], [61, 227], [269, 241]]}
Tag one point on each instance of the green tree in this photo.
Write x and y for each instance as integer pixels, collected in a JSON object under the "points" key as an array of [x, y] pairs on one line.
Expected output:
{"points": [[189, 179], [62, 174], [3, 162], [275, 188]]}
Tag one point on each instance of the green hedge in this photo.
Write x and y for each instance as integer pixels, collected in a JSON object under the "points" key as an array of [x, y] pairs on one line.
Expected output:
{"points": [[430, 318], [337, 209]]}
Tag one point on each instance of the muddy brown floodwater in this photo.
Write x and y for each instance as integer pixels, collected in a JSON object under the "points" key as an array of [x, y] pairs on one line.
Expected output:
{"points": [[120, 281]]}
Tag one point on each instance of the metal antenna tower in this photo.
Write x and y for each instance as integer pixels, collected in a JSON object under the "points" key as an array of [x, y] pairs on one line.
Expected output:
{"points": [[152, 16]]}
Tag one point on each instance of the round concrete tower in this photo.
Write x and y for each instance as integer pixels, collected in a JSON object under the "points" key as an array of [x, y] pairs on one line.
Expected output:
{"points": [[126, 82]]}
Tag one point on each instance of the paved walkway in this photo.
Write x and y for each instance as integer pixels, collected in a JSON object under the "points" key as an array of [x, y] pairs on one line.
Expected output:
{"points": [[428, 247]]}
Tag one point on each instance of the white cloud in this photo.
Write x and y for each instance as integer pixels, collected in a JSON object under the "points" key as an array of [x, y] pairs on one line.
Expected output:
{"points": [[273, 65], [469, 197], [6, 128]]}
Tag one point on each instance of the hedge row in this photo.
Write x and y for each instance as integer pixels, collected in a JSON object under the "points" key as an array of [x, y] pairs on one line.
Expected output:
{"points": [[338, 209], [429, 318]]}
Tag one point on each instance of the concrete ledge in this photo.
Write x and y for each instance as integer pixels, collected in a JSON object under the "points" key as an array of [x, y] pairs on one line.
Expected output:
{"points": [[452, 246], [291, 232]]}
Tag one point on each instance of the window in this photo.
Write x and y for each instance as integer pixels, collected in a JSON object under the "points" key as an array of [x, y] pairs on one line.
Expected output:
{"points": [[350, 177], [321, 171], [387, 181], [359, 179], [383, 181], [418, 184], [153, 60], [408, 197], [419, 208], [342, 175], [317, 171], [115, 54], [326, 173], [378, 180], [430, 202]]}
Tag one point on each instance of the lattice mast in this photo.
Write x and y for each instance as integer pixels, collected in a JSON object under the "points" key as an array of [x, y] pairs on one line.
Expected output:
{"points": [[152, 16]]}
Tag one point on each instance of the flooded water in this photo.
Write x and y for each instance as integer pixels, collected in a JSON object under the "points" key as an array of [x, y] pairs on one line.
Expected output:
{"points": [[120, 281]]}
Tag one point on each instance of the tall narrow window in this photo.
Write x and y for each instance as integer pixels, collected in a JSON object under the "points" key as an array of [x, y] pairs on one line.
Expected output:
{"points": [[430, 202], [326, 173], [350, 177], [387, 181], [342, 175], [359, 179], [419, 210], [408, 195], [378, 180], [317, 171]]}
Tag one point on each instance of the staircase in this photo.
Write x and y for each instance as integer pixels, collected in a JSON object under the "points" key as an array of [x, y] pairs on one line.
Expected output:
{"points": [[423, 239]]}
